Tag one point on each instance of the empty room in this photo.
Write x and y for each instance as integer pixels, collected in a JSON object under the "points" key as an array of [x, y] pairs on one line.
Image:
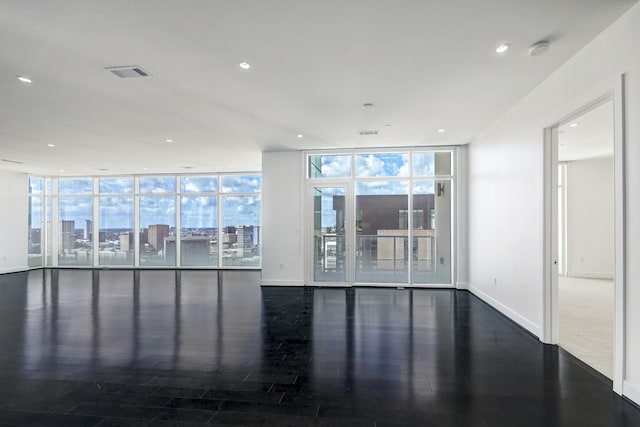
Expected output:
{"points": [[291, 213]]}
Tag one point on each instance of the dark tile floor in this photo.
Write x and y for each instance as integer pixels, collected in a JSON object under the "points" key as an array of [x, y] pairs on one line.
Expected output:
{"points": [[117, 348]]}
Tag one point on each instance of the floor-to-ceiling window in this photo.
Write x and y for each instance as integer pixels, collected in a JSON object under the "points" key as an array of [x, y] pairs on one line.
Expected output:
{"points": [[381, 217], [36, 221], [199, 220], [241, 220], [75, 219], [159, 221], [117, 239]]}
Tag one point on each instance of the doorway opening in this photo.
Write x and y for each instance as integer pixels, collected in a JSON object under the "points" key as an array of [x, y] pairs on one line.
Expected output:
{"points": [[585, 235]]}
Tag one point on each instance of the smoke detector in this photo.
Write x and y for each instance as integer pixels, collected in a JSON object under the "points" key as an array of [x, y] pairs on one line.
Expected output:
{"points": [[539, 48], [129, 71]]}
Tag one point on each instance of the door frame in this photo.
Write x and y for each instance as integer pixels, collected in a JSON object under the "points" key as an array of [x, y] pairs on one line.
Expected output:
{"points": [[550, 315]]}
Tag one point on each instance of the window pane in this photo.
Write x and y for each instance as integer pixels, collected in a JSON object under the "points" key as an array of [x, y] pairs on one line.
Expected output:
{"points": [[157, 234], [423, 164], [75, 238], [117, 241], [384, 164], [48, 227], [35, 231], [75, 186], [116, 185], [157, 184], [35, 185], [329, 244], [199, 184], [199, 233], [443, 163], [326, 166], [382, 251], [241, 231], [431, 261], [241, 183]]}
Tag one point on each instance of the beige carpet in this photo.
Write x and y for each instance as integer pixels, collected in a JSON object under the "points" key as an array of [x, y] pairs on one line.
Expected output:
{"points": [[586, 321]]}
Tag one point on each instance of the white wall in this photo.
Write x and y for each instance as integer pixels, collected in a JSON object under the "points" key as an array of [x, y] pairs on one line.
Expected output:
{"points": [[282, 218], [14, 221], [506, 184], [590, 222]]}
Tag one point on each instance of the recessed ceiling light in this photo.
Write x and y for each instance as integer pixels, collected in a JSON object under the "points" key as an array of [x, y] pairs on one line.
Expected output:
{"points": [[442, 130], [244, 65], [367, 105], [300, 135], [168, 140], [145, 169], [51, 145], [24, 79], [573, 125], [503, 48], [61, 170]]}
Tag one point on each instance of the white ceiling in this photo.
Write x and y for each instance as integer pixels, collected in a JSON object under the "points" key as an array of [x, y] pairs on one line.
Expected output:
{"points": [[424, 65]]}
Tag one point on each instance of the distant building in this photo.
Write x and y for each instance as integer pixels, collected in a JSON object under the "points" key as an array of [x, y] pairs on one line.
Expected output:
{"points": [[88, 229], [156, 235], [67, 235], [127, 241], [247, 240]]}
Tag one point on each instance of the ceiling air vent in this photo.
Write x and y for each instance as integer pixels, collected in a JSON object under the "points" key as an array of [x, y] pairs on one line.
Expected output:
{"points": [[11, 161], [128, 71], [368, 132]]}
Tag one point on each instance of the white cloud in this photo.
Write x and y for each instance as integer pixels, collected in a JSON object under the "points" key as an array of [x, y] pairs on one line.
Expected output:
{"points": [[423, 164], [336, 166]]}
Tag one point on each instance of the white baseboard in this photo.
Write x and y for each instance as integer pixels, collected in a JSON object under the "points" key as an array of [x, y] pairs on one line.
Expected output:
{"points": [[631, 392], [274, 282], [520, 320], [591, 275]]}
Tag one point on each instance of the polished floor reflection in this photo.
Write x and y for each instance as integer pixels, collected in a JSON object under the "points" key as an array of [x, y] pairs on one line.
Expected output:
{"points": [[125, 348]]}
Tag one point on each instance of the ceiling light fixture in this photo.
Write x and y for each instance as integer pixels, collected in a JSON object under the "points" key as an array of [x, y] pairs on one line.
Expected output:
{"points": [[503, 48], [300, 135], [168, 140], [51, 145], [441, 130], [244, 65], [573, 125], [24, 79]]}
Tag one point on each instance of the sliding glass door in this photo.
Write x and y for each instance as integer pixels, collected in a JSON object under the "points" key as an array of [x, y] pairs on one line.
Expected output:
{"points": [[381, 218]]}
